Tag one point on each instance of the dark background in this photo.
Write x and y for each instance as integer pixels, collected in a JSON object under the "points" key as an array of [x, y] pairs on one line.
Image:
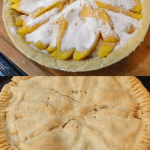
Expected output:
{"points": [[3, 81], [7, 68], [144, 80]]}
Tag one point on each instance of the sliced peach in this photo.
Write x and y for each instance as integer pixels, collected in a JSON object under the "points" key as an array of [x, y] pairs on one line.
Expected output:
{"points": [[16, 7], [65, 55], [28, 29], [19, 22], [130, 29], [105, 49], [55, 54], [138, 7], [113, 37], [62, 30], [40, 45], [51, 49], [133, 15], [25, 30], [16, 1], [71, 1], [118, 10], [102, 14], [110, 38], [58, 53], [77, 56], [42, 10], [86, 12], [38, 11], [60, 5]]}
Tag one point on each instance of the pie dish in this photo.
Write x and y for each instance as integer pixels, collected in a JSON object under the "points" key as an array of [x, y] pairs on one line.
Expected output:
{"points": [[84, 113], [76, 35]]}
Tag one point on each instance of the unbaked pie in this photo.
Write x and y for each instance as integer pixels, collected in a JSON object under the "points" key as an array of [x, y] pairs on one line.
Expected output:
{"points": [[76, 35], [74, 113]]}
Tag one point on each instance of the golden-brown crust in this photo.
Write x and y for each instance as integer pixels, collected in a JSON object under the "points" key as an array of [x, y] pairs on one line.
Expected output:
{"points": [[84, 65], [142, 96], [130, 84], [5, 96]]}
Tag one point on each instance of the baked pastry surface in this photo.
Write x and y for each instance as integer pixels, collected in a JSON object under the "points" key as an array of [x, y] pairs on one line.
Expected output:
{"points": [[120, 30], [84, 113]]}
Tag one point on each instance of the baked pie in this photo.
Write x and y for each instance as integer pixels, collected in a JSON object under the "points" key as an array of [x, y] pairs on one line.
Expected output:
{"points": [[74, 113], [76, 35]]}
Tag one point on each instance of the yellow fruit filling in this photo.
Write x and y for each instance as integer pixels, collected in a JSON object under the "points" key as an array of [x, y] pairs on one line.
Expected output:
{"points": [[105, 49], [28, 29], [105, 41], [16, 1], [112, 38], [120, 10], [130, 29], [86, 12], [51, 49], [138, 7], [37, 12], [40, 45], [58, 53], [19, 22], [42, 10]]}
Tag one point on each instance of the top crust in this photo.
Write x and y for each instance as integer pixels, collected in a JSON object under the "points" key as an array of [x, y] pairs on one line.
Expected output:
{"points": [[77, 97]]}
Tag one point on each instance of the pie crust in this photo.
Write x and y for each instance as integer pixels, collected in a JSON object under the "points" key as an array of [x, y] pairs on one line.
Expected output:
{"points": [[71, 65], [84, 113]]}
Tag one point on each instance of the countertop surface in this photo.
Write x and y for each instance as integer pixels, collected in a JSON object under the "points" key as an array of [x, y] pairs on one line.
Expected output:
{"points": [[136, 64]]}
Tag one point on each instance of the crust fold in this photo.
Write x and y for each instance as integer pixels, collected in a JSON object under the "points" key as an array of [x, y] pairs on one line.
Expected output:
{"points": [[5, 96], [140, 94]]}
